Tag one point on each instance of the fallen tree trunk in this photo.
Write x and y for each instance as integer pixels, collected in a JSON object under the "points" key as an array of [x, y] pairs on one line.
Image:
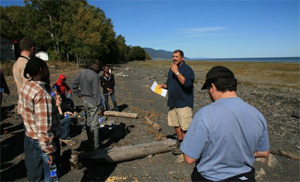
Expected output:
{"points": [[124, 153], [120, 114]]}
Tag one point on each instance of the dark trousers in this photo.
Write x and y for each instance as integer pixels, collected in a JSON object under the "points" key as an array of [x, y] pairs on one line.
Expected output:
{"points": [[249, 176], [36, 161], [33, 159]]}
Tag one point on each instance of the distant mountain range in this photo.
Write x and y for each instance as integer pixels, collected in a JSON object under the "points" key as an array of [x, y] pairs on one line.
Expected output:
{"points": [[160, 54]]}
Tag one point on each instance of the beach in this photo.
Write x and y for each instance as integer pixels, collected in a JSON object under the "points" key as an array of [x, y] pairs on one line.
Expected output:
{"points": [[273, 88]]}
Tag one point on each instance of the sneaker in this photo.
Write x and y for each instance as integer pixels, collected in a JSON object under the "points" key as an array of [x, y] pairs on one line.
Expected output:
{"points": [[177, 151]]}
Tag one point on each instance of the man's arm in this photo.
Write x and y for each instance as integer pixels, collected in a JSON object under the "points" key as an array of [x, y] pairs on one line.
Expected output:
{"points": [[43, 112], [75, 84], [188, 159], [113, 80], [180, 77], [260, 154], [96, 91]]}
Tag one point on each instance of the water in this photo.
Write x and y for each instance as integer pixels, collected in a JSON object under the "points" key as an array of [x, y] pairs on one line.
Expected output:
{"points": [[269, 59]]}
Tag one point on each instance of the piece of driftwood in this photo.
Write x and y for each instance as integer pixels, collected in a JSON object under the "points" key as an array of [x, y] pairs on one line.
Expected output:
{"points": [[120, 114], [290, 154], [271, 161], [153, 124], [124, 153]]}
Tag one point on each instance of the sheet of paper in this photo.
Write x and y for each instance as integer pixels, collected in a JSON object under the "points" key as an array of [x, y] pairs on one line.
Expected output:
{"points": [[160, 91]]}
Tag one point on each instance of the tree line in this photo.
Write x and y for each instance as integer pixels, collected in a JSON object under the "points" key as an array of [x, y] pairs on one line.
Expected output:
{"points": [[69, 31]]}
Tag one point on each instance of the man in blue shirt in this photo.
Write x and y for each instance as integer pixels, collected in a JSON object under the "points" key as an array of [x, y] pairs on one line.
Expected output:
{"points": [[225, 137], [180, 97]]}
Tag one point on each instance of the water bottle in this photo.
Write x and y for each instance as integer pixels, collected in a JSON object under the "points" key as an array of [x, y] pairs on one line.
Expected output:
{"points": [[101, 122], [53, 173], [54, 88], [53, 94]]}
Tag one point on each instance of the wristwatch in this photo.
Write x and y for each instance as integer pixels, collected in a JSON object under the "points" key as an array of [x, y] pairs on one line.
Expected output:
{"points": [[177, 73]]}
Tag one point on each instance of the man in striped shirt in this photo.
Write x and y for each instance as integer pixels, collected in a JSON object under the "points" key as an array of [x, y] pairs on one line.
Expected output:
{"points": [[36, 107]]}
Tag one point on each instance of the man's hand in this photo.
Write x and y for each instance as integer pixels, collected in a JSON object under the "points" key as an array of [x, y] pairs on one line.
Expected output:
{"points": [[174, 68], [50, 161], [162, 86], [69, 113], [100, 112], [109, 90]]}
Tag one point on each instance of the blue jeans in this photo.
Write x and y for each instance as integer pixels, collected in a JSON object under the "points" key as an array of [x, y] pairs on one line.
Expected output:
{"points": [[36, 161], [33, 159], [113, 98], [65, 123]]}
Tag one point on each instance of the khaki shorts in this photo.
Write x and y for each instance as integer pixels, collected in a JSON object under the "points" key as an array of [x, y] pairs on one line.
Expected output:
{"points": [[181, 117]]}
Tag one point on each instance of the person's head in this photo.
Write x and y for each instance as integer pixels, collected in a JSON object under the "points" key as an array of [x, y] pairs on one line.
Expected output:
{"points": [[96, 66], [27, 45], [37, 69], [178, 57], [106, 69], [220, 79], [58, 97], [61, 78]]}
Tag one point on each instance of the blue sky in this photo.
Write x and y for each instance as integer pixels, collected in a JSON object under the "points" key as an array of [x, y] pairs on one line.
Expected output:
{"points": [[213, 29]]}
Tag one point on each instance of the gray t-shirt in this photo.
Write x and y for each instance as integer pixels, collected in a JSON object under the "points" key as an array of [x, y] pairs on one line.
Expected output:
{"points": [[224, 137]]}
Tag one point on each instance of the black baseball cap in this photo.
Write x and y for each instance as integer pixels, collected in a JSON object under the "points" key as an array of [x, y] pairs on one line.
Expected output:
{"points": [[217, 72]]}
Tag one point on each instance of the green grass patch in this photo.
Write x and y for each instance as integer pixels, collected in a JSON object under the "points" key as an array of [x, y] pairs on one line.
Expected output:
{"points": [[266, 73]]}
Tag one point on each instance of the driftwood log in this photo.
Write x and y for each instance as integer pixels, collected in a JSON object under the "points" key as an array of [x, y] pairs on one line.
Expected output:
{"points": [[153, 124], [120, 114], [124, 153]]}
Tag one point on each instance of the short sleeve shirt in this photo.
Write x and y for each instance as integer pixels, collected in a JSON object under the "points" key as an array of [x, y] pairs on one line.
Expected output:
{"points": [[179, 95], [224, 136]]}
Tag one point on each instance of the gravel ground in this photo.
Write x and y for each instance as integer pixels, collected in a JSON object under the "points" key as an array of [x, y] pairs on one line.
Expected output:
{"points": [[134, 95]]}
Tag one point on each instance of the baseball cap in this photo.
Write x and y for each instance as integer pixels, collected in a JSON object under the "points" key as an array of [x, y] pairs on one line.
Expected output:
{"points": [[216, 72]]}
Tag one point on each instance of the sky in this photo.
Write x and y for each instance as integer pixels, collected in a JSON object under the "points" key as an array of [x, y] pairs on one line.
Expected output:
{"points": [[206, 28]]}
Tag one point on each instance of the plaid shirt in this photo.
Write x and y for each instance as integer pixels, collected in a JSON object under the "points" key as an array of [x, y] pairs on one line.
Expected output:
{"points": [[37, 108]]}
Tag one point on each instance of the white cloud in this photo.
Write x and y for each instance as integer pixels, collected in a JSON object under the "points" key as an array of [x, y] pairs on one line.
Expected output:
{"points": [[198, 32]]}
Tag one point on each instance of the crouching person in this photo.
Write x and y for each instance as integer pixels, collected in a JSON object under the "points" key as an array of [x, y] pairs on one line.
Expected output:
{"points": [[41, 143], [225, 137], [65, 119]]}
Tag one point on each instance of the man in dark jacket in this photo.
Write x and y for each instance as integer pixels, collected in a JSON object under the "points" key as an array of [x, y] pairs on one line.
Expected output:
{"points": [[181, 96], [108, 84]]}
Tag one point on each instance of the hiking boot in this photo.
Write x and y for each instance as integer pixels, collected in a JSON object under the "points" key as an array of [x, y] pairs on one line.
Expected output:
{"points": [[177, 151]]}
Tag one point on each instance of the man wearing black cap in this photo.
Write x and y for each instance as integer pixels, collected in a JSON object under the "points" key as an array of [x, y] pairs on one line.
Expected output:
{"points": [[225, 137]]}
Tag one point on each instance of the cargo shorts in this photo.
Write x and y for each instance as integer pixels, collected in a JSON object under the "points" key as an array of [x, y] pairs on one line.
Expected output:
{"points": [[180, 117]]}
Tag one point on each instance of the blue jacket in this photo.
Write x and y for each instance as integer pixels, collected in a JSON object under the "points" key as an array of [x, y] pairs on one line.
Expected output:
{"points": [[181, 95]]}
